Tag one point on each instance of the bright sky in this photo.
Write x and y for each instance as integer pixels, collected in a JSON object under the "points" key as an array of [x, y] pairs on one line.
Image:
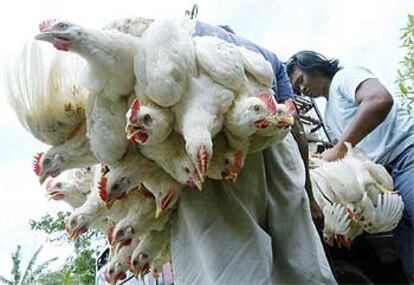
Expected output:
{"points": [[357, 32]]}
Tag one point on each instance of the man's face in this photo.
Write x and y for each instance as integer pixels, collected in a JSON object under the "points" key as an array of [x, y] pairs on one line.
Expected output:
{"points": [[313, 85]]}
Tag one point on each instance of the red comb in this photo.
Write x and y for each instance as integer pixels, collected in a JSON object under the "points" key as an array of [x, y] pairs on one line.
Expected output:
{"points": [[202, 157], [111, 233], [291, 106], [45, 25], [36, 163], [167, 199], [270, 103], [102, 189], [134, 110], [238, 159]]}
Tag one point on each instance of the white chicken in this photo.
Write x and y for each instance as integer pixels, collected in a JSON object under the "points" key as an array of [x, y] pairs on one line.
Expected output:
{"points": [[139, 220], [94, 211], [226, 162], [111, 79], [370, 175], [44, 90], [279, 128], [74, 153], [220, 60], [171, 156], [165, 64], [344, 188], [246, 116], [118, 263], [151, 246], [109, 55], [73, 189], [130, 173], [199, 117], [135, 26], [382, 215], [105, 124], [147, 123], [364, 188], [338, 224]]}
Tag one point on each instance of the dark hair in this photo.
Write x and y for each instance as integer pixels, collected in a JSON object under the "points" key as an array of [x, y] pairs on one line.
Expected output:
{"points": [[310, 61]]}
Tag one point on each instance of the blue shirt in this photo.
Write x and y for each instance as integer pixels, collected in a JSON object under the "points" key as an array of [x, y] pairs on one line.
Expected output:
{"points": [[389, 139], [281, 84]]}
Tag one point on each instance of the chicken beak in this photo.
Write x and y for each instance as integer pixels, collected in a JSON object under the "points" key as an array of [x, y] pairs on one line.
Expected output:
{"points": [[158, 212], [289, 120], [199, 185], [230, 175], [117, 247], [73, 235], [233, 175], [45, 36], [198, 182], [271, 120], [42, 177]]}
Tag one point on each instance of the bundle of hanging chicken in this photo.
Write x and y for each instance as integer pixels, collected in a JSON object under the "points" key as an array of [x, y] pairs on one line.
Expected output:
{"points": [[356, 195], [150, 110]]}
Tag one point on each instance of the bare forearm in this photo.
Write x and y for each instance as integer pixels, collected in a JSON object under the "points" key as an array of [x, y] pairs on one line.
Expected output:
{"points": [[300, 138], [368, 116]]}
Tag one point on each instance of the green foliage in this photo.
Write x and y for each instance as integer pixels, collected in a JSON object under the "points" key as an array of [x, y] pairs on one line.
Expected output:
{"points": [[405, 73], [33, 272], [78, 269]]}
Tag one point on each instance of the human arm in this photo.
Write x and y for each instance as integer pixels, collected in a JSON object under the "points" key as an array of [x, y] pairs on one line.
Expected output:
{"points": [[298, 133], [374, 103]]}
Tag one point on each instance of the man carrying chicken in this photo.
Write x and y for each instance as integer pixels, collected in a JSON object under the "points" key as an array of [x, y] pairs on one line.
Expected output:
{"points": [[259, 230], [360, 110]]}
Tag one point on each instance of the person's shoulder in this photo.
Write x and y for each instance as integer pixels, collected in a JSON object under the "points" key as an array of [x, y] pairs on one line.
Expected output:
{"points": [[347, 80], [353, 71], [350, 74]]}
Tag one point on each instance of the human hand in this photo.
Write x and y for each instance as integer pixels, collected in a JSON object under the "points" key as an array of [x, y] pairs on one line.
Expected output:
{"points": [[335, 153]]}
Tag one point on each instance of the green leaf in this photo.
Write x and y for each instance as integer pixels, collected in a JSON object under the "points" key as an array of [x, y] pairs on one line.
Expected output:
{"points": [[16, 259], [30, 265]]}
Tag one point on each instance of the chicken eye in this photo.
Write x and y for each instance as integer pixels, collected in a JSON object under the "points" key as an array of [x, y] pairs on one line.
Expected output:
{"points": [[73, 224], [46, 161], [61, 26], [147, 119], [58, 185], [256, 108], [135, 262], [186, 169], [115, 187], [226, 161], [143, 256]]}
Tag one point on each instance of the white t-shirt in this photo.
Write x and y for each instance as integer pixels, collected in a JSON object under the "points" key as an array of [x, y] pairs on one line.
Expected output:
{"points": [[387, 140]]}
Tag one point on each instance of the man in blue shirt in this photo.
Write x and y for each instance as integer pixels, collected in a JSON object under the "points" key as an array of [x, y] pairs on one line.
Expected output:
{"points": [[360, 110]]}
